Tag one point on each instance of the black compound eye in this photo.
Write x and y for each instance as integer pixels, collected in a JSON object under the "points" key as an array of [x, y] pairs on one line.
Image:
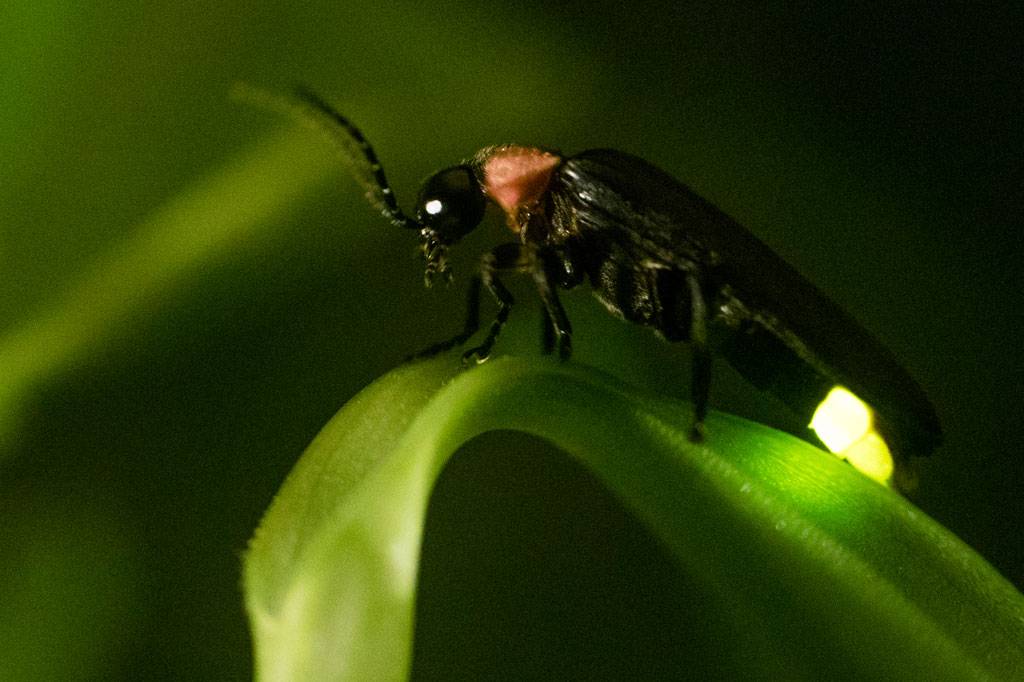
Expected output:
{"points": [[451, 203]]}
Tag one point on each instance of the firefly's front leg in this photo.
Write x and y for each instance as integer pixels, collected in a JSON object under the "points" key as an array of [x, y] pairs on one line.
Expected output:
{"points": [[470, 327], [519, 258]]}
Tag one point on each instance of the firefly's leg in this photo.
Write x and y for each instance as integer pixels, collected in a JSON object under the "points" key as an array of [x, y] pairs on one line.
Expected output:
{"points": [[471, 326], [700, 382], [556, 326], [547, 334], [520, 258], [507, 257]]}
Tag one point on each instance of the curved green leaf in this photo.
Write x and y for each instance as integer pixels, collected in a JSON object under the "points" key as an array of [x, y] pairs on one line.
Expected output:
{"points": [[816, 568]]}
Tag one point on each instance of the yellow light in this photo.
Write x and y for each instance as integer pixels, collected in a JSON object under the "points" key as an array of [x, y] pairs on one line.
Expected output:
{"points": [[841, 419], [870, 455], [845, 424]]}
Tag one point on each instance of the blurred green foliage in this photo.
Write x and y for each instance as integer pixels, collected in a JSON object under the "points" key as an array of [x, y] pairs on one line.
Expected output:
{"points": [[187, 294]]}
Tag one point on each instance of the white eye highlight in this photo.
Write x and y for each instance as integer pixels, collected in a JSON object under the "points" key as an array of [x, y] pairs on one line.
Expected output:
{"points": [[433, 207]]}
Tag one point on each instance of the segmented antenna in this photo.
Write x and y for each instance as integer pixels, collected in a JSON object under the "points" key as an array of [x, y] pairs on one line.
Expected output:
{"points": [[307, 108]]}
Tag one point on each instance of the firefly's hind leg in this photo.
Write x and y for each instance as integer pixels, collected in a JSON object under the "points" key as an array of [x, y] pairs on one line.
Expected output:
{"points": [[557, 329], [700, 381], [547, 334]]}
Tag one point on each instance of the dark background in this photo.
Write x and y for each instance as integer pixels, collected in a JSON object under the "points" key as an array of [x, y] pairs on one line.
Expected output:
{"points": [[878, 150]]}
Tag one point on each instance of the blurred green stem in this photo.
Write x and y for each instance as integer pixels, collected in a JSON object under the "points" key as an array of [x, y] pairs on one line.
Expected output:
{"points": [[241, 202]]}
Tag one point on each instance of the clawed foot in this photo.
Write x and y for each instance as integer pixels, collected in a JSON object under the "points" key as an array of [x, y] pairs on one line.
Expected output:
{"points": [[480, 354], [476, 356], [563, 342], [437, 348], [564, 346]]}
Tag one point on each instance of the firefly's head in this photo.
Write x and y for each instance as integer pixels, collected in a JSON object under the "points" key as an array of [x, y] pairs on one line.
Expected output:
{"points": [[450, 205], [452, 201]]}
